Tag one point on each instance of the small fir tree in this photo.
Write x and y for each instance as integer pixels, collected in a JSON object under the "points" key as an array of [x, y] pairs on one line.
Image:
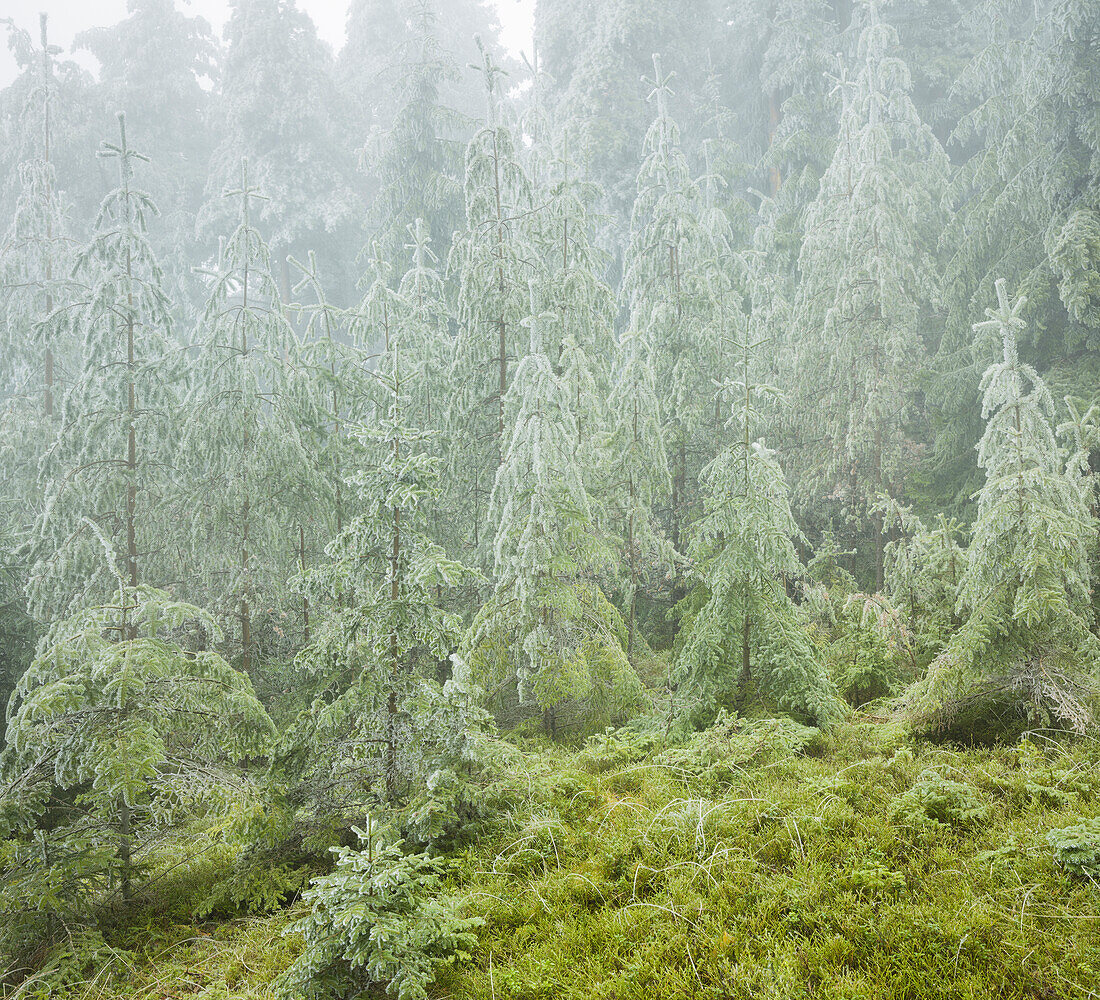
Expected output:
{"points": [[105, 475], [1026, 644], [115, 732], [548, 629], [740, 629]]}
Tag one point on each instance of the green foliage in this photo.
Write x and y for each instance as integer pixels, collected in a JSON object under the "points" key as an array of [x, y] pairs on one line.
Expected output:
{"points": [[377, 920], [941, 802], [1077, 850], [865, 641], [740, 623], [1027, 637], [115, 732]]}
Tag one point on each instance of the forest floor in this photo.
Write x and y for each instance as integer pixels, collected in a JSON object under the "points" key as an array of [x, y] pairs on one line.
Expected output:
{"points": [[759, 859]]}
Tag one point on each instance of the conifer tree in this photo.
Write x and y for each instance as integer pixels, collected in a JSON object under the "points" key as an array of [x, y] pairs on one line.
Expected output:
{"points": [[1026, 644], [76, 124], [740, 630], [328, 394], [583, 303], [243, 451], [679, 297], [158, 63], [37, 353], [35, 258], [548, 629], [276, 101], [427, 343], [404, 67], [115, 732], [492, 260], [105, 476], [382, 732], [862, 303], [637, 476], [1024, 206]]}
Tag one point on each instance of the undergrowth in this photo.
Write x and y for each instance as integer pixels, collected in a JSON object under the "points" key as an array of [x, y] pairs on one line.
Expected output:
{"points": [[758, 859]]}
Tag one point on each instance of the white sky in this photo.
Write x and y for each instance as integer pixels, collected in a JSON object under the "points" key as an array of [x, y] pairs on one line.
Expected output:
{"points": [[69, 17]]}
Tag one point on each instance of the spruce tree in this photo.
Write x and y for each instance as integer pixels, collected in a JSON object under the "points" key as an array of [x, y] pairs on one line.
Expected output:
{"points": [[637, 477], [243, 452], [740, 635], [115, 732], [679, 296], [862, 307], [1024, 205], [383, 734], [492, 260], [105, 477], [158, 63], [277, 105], [1026, 645], [35, 258], [548, 629]]}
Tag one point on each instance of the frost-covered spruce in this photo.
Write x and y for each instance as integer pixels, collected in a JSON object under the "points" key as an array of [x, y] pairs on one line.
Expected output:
{"points": [[116, 732], [580, 339], [637, 476], [403, 69], [105, 478], [860, 321], [382, 729], [242, 454], [547, 628], [677, 289], [492, 260], [35, 260], [740, 635], [1024, 206], [38, 347], [276, 103], [1026, 646], [327, 395]]}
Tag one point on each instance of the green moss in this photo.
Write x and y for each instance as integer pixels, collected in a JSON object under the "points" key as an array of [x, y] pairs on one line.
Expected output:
{"points": [[758, 861]]}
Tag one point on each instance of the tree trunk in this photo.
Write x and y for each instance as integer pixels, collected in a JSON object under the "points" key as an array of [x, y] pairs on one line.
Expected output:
{"points": [[302, 567], [746, 667], [124, 848], [774, 178], [131, 435]]}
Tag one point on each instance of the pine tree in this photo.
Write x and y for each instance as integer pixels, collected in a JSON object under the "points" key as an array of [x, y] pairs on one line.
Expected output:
{"points": [[115, 732], [548, 629], [740, 628], [1026, 644], [862, 304], [243, 451], [105, 476]]}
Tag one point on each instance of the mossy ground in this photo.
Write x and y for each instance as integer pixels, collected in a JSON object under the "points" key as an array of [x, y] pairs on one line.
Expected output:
{"points": [[759, 861]]}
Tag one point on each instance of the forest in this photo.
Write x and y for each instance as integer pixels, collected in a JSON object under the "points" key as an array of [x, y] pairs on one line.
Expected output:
{"points": [[617, 520]]}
